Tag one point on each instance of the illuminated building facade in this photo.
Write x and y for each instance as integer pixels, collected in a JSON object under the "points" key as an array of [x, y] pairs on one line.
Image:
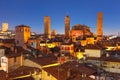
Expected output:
{"points": [[53, 32], [5, 33], [67, 26], [80, 31], [22, 34], [47, 26], [4, 26]]}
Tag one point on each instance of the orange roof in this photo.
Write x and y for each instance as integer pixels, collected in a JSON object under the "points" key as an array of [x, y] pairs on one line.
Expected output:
{"points": [[61, 72], [3, 75], [45, 60], [22, 71]]}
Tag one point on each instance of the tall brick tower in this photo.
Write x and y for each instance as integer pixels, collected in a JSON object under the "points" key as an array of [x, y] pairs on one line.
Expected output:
{"points": [[99, 26], [67, 26], [47, 26]]}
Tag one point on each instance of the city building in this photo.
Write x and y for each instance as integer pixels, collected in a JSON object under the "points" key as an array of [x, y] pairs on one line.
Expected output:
{"points": [[5, 33], [47, 32], [94, 50], [79, 32], [4, 26], [22, 34], [53, 33], [88, 40], [11, 61], [53, 70], [7, 42], [34, 42], [67, 48], [67, 26], [25, 73], [100, 26]]}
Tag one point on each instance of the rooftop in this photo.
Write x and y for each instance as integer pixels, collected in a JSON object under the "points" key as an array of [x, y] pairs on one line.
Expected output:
{"points": [[45, 60], [3, 75], [75, 69], [79, 27], [97, 47], [23, 26], [22, 71]]}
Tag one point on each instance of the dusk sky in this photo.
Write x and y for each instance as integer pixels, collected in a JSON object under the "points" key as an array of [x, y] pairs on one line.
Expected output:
{"points": [[32, 12]]}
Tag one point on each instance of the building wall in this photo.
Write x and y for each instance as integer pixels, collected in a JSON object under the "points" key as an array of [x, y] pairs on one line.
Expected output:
{"points": [[53, 33], [10, 64], [83, 42], [4, 62], [22, 34], [27, 34], [56, 43], [32, 43], [14, 63], [90, 40], [80, 31], [4, 26], [93, 53], [67, 48], [2, 52], [47, 76], [49, 45], [109, 66], [76, 33]]}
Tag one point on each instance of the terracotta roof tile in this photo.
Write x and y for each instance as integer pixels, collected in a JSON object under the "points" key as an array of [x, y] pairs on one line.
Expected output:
{"points": [[45, 60], [61, 72], [22, 26], [23, 70], [3, 75], [111, 59], [98, 47], [10, 55]]}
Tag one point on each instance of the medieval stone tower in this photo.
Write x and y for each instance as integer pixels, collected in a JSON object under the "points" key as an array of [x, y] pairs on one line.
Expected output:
{"points": [[99, 25], [47, 26], [67, 26]]}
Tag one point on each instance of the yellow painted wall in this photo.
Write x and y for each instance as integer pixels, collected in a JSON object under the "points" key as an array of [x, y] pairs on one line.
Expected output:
{"points": [[92, 53]]}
